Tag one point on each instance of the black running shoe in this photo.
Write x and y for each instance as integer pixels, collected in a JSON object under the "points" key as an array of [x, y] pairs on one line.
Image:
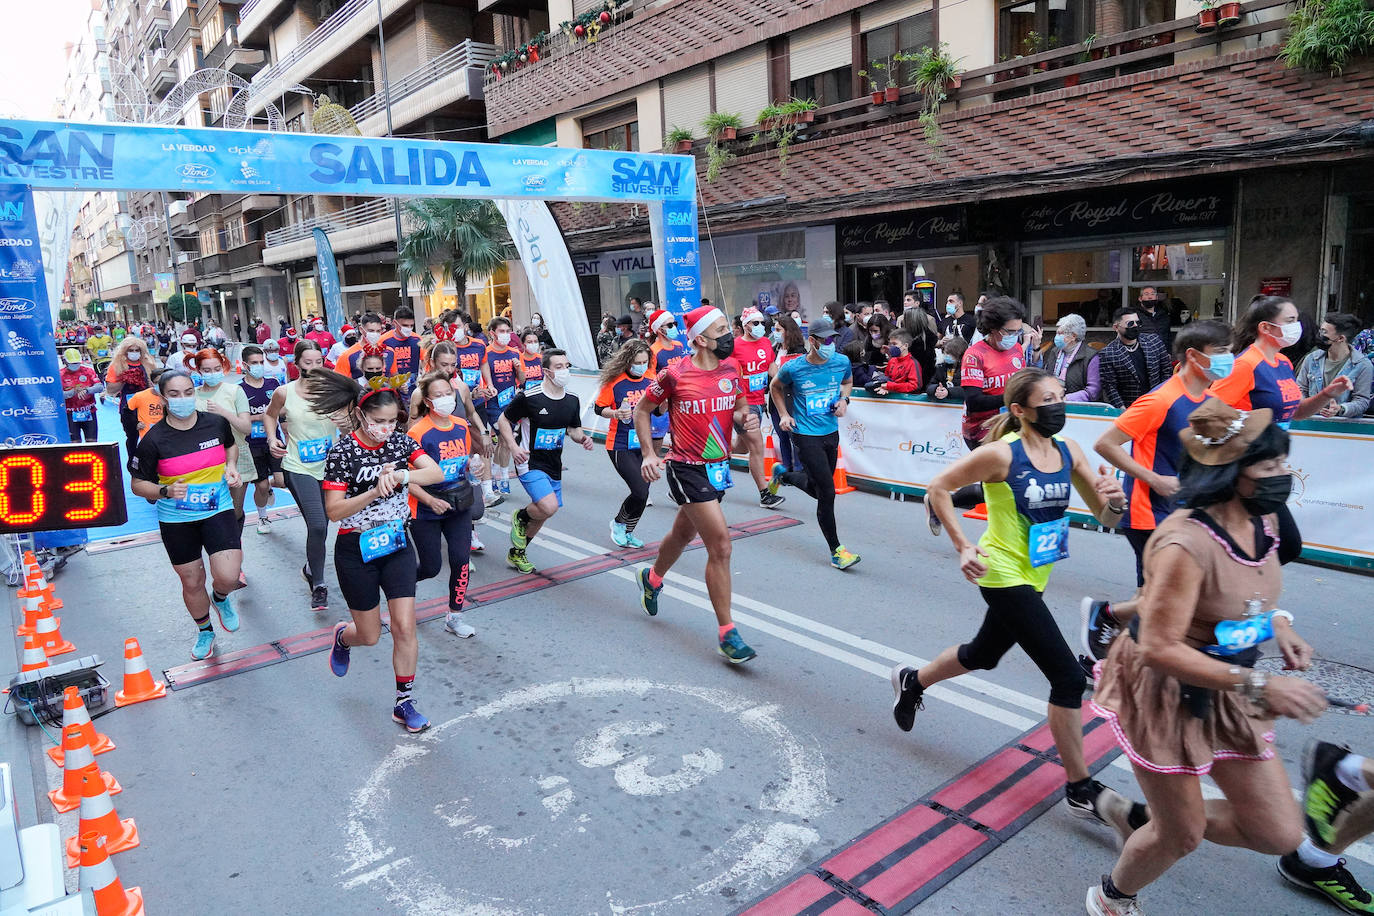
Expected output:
{"points": [[1099, 627], [1326, 796], [909, 696], [319, 599], [1335, 883]]}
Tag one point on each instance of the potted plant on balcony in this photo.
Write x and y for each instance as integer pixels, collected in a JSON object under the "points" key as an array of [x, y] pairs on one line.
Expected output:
{"points": [[1033, 44], [1228, 14], [935, 73], [679, 140], [1324, 34], [875, 92], [1207, 17], [799, 111], [768, 116], [722, 125]]}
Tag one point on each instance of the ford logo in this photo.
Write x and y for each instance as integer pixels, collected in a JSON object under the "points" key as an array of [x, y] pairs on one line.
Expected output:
{"points": [[29, 439], [534, 181], [195, 170], [683, 283], [16, 306]]}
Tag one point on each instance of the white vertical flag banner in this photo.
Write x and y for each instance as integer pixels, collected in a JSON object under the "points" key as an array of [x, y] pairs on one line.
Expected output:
{"points": [[55, 213], [550, 271]]}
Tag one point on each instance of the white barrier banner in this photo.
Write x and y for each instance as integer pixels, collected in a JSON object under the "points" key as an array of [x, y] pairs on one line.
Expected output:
{"points": [[1331, 496]]}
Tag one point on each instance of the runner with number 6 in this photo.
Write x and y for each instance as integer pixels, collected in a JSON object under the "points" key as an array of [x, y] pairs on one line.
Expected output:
{"points": [[366, 483]]}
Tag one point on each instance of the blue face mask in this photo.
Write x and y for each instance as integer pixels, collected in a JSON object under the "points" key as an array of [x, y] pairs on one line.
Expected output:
{"points": [[211, 379], [637, 370], [1010, 340], [949, 308], [181, 407], [1061, 341], [258, 370], [671, 333], [826, 350], [1220, 366]]}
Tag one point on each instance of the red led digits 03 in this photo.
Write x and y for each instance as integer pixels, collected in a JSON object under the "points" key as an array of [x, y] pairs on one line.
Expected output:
{"points": [[52, 487]]}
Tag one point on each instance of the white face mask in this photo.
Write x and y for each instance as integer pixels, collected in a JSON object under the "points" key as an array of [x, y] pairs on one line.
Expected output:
{"points": [[503, 337], [536, 321], [460, 333], [532, 348], [373, 337], [561, 377], [1292, 332], [444, 406]]}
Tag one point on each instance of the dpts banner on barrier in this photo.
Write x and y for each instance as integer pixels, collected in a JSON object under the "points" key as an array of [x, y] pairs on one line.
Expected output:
{"points": [[31, 406]]}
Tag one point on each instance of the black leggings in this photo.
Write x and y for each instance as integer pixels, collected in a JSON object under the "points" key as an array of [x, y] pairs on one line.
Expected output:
{"points": [[1137, 540], [456, 529], [129, 420], [1018, 615], [815, 476], [309, 496], [628, 462], [784, 440]]}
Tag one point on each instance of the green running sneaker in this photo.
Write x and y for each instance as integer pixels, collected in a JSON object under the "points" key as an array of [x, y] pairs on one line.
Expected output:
{"points": [[648, 595], [1326, 796], [735, 649], [518, 538], [1336, 883], [516, 559]]}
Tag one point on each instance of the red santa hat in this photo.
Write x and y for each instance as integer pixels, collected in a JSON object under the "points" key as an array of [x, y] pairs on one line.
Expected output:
{"points": [[659, 318], [699, 319], [750, 314]]}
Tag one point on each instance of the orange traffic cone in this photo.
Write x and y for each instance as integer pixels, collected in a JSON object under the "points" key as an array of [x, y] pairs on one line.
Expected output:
{"points": [[98, 814], [34, 656], [99, 877], [841, 478], [49, 637], [74, 714], [769, 457], [979, 512], [138, 680], [33, 606], [80, 763]]}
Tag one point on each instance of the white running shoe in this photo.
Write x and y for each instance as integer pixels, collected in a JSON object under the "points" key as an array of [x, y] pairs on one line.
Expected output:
{"points": [[477, 545], [1099, 904], [264, 523], [455, 625]]}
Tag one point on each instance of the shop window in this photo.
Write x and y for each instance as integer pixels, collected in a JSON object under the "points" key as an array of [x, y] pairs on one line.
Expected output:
{"points": [[904, 37], [827, 88], [1026, 27]]}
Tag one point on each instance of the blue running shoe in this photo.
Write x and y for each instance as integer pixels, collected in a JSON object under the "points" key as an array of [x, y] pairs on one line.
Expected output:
{"points": [[635, 543], [619, 535], [735, 649], [228, 617], [775, 480], [205, 645], [648, 595], [406, 714], [338, 653]]}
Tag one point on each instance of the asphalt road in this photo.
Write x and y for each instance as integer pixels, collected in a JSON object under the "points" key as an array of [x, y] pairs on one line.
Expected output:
{"points": [[588, 759]]}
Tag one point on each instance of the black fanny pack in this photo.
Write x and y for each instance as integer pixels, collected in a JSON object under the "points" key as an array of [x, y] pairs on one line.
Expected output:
{"points": [[458, 495], [1198, 700]]}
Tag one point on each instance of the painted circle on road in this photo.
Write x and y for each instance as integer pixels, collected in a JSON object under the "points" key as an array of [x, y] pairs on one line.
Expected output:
{"points": [[601, 795]]}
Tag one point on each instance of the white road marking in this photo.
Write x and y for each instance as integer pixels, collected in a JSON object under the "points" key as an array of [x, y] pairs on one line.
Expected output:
{"points": [[1363, 851]]}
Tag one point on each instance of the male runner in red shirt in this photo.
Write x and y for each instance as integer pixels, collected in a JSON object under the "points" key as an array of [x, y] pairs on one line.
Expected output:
{"points": [[704, 401], [754, 353]]}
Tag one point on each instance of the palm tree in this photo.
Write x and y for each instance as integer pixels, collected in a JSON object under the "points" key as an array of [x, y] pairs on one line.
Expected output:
{"points": [[460, 236]]}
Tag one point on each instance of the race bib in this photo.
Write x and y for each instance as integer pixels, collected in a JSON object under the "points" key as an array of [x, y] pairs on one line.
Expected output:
{"points": [[503, 398], [453, 468], [312, 451], [758, 381], [1049, 542], [1236, 636], [471, 377], [82, 415], [259, 430], [384, 539], [549, 438], [200, 497], [817, 405], [102, 353], [632, 440], [718, 474]]}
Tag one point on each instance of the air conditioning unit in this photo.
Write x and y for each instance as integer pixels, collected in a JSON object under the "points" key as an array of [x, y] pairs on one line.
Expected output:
{"points": [[178, 208], [183, 257]]}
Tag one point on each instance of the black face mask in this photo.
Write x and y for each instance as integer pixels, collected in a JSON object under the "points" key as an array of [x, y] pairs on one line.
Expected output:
{"points": [[371, 375], [1130, 333], [1321, 343], [1049, 419], [1271, 494], [723, 347]]}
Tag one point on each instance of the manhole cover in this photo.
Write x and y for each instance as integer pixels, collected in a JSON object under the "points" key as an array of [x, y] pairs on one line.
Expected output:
{"points": [[1348, 683]]}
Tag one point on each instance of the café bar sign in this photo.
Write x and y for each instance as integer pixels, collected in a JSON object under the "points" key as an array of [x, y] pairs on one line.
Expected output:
{"points": [[911, 230], [1159, 207]]}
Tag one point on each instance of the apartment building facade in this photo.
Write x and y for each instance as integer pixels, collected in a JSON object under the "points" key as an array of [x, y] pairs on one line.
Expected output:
{"points": [[1088, 148], [436, 52]]}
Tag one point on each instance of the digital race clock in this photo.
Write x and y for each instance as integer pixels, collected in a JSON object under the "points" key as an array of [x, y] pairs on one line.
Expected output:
{"points": [[51, 487]]}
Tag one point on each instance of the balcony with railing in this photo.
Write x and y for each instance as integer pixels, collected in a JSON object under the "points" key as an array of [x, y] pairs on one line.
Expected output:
{"points": [[210, 265], [182, 27], [351, 229], [255, 14], [246, 255], [450, 77], [350, 23], [232, 56]]}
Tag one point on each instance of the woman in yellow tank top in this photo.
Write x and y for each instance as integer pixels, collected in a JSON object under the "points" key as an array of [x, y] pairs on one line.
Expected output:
{"points": [[1027, 472], [308, 438]]}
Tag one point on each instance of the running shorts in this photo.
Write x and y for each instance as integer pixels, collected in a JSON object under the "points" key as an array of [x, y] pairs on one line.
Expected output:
{"points": [[363, 584], [184, 541], [539, 484], [264, 466], [687, 483], [758, 411]]}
